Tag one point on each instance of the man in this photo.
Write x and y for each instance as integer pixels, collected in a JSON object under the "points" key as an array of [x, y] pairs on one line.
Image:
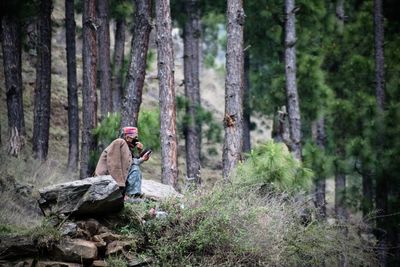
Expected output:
{"points": [[116, 160]]}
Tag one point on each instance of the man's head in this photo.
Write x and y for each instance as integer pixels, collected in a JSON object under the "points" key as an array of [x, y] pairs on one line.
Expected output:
{"points": [[130, 134]]}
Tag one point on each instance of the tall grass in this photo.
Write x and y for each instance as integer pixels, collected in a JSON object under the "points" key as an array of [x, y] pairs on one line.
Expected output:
{"points": [[20, 179]]}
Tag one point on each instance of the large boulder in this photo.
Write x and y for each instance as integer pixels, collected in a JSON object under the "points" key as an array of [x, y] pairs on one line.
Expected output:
{"points": [[17, 247], [158, 191], [95, 195]]}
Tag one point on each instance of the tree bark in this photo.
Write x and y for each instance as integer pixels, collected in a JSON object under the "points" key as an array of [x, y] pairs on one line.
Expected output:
{"points": [[340, 186], [319, 136], [291, 83], [119, 55], [11, 45], [246, 104], [381, 182], [367, 187], [192, 33], [169, 145], [41, 124], [73, 108], [89, 96], [340, 15], [104, 66], [137, 66], [234, 82]]}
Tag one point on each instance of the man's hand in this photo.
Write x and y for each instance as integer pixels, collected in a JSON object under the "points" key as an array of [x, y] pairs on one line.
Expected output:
{"points": [[146, 157], [139, 146]]}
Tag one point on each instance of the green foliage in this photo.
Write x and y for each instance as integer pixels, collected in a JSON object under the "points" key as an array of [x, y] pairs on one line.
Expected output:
{"points": [[317, 160], [211, 130], [108, 129], [149, 128], [214, 37], [274, 165], [116, 261], [121, 9]]}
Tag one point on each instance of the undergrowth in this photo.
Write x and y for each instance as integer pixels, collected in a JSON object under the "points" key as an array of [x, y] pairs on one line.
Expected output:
{"points": [[249, 222]]}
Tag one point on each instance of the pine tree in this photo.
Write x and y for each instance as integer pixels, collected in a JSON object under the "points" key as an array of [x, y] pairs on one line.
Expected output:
{"points": [[119, 55], [11, 45], [89, 96], [165, 57], [291, 83], [191, 36], [104, 73], [234, 82], [381, 181], [41, 120], [73, 108], [137, 66]]}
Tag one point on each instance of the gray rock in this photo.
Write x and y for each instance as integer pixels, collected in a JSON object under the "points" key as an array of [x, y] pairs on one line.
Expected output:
{"points": [[118, 247], [99, 263], [95, 195], [17, 247], [56, 264], [20, 263], [158, 191], [68, 228], [75, 250]]}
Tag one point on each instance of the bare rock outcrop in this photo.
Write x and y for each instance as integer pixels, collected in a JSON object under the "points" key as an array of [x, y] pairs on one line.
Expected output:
{"points": [[95, 195]]}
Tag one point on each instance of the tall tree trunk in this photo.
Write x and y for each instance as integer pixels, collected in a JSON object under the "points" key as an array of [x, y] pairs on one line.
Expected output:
{"points": [[41, 120], [340, 185], [11, 44], [89, 96], [169, 145], [291, 83], [191, 42], [119, 55], [367, 188], [73, 109], [340, 15], [381, 182], [137, 66], [104, 66], [340, 176], [319, 136], [246, 104], [379, 56], [234, 82]]}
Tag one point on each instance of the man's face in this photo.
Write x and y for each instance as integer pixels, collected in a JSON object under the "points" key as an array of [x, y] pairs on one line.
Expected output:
{"points": [[131, 140]]}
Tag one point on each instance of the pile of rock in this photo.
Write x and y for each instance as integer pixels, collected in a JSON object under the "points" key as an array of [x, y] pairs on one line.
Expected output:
{"points": [[83, 240]]}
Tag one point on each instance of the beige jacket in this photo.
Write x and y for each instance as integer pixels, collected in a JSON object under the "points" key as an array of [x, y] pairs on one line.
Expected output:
{"points": [[115, 160]]}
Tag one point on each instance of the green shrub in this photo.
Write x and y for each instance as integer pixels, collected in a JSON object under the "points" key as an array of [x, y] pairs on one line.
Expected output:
{"points": [[272, 164]]}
